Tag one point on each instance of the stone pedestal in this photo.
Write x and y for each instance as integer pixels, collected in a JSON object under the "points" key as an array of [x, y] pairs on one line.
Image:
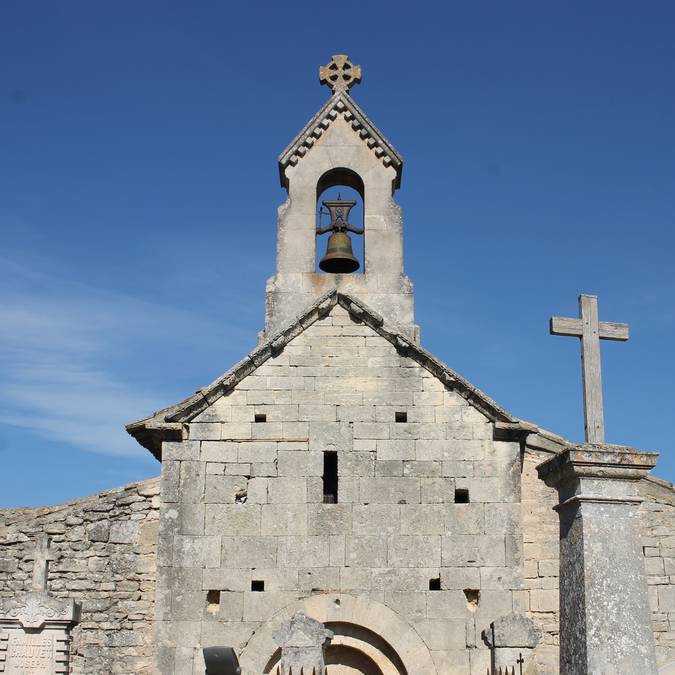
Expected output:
{"points": [[34, 633], [605, 620]]}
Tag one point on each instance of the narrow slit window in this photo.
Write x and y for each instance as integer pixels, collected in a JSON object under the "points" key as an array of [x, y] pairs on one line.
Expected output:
{"points": [[260, 417], [401, 416], [330, 477], [461, 496], [257, 585]]}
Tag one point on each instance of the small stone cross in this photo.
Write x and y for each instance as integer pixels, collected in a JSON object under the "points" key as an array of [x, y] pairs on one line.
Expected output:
{"points": [[340, 74], [591, 331], [41, 556]]}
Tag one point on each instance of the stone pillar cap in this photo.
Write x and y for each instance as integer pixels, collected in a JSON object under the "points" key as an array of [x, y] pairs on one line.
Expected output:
{"points": [[597, 460]]}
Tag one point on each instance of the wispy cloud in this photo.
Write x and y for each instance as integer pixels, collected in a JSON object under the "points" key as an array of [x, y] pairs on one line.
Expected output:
{"points": [[69, 354]]}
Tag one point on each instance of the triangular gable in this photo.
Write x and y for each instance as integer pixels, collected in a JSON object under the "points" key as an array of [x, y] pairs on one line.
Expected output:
{"points": [[341, 104], [167, 424]]}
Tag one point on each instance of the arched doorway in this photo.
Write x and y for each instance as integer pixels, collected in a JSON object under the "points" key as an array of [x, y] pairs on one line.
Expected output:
{"points": [[369, 639]]}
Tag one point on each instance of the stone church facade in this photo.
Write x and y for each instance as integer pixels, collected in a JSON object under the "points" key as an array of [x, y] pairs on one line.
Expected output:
{"points": [[343, 486]]}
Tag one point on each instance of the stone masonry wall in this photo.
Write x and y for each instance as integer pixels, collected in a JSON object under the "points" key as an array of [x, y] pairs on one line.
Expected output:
{"points": [[541, 555], [658, 545], [105, 547], [242, 501]]}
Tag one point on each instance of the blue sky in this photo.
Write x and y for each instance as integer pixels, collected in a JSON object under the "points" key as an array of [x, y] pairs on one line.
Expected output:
{"points": [[139, 187]]}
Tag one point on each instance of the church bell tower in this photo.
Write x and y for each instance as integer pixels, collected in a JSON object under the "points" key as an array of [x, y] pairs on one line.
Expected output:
{"points": [[340, 147]]}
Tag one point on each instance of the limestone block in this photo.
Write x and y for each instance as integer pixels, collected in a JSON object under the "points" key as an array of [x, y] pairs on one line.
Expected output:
{"points": [[192, 478], [287, 490], [414, 551], [307, 551], [317, 579], [402, 579], [376, 519], [460, 578], [223, 489], [170, 481], [249, 552], [666, 595], [180, 450], [390, 490], [262, 468], [414, 468], [389, 468], [501, 578], [356, 413], [366, 551], [464, 518], [309, 412], [299, 463], [371, 430], [460, 469], [187, 605], [259, 451], [452, 662], [355, 579], [284, 519], [411, 605], [233, 519], [484, 551], [422, 519], [194, 551], [446, 605], [267, 430], [235, 431], [329, 518], [230, 607], [224, 579], [358, 464], [261, 606], [395, 449], [542, 600], [330, 436], [218, 451], [437, 490], [442, 634], [502, 518], [209, 431], [190, 518], [256, 490]]}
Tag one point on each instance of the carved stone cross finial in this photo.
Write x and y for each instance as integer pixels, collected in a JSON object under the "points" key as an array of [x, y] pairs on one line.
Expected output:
{"points": [[591, 331], [42, 555], [340, 74]]}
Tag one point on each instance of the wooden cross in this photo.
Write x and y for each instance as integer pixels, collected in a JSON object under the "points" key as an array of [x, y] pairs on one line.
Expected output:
{"points": [[42, 555], [591, 331]]}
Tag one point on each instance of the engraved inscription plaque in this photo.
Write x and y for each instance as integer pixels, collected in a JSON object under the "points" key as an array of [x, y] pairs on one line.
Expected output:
{"points": [[29, 653]]}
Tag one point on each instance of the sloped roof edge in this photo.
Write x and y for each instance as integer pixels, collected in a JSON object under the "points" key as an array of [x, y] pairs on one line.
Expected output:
{"points": [[340, 103], [167, 424]]}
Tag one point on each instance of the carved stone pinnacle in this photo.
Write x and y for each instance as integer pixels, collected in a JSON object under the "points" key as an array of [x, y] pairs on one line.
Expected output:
{"points": [[340, 74]]}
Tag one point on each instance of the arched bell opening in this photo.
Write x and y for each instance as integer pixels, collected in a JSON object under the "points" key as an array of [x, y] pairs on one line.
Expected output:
{"points": [[340, 216]]}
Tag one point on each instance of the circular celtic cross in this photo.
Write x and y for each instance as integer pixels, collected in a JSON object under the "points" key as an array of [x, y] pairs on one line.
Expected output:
{"points": [[340, 74]]}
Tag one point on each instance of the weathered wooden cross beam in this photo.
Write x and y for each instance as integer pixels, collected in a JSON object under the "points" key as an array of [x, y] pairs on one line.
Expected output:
{"points": [[591, 331]]}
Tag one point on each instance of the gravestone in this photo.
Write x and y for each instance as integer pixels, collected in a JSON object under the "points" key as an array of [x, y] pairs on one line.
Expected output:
{"points": [[35, 626]]}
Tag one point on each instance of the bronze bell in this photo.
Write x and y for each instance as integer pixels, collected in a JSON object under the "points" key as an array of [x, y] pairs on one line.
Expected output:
{"points": [[339, 258]]}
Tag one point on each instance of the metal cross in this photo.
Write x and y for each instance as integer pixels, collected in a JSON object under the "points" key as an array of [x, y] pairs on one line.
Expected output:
{"points": [[340, 74], [591, 331], [42, 555]]}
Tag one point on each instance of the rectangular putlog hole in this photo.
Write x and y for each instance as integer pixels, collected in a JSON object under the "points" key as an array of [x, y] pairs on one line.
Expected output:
{"points": [[401, 416], [212, 601], [260, 417], [461, 496], [435, 584], [257, 585]]}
